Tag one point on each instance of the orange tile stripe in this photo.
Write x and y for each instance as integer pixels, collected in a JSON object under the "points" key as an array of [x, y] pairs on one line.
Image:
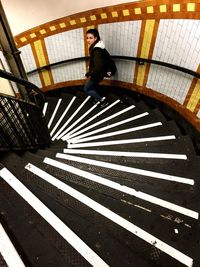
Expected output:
{"points": [[134, 11], [41, 59], [152, 45], [144, 10], [193, 96], [141, 39], [147, 39]]}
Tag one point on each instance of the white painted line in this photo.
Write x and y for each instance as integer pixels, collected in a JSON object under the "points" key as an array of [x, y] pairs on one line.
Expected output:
{"points": [[61, 118], [126, 141], [100, 136], [109, 126], [45, 108], [83, 116], [60, 133], [73, 132], [54, 113], [118, 167], [8, 251], [51, 218], [125, 154], [114, 185], [102, 121], [152, 240]]}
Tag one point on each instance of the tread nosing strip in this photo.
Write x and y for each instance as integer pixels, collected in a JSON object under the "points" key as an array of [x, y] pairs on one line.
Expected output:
{"points": [[144, 235], [51, 218]]}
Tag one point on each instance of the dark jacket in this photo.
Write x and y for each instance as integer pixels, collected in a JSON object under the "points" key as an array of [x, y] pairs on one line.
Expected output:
{"points": [[97, 64]]}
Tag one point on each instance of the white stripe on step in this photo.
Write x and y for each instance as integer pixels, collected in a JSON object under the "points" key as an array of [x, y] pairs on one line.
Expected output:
{"points": [[125, 154], [100, 136], [122, 168], [83, 116], [54, 113], [117, 186], [51, 218], [110, 126], [61, 118], [126, 141], [45, 108], [60, 133], [152, 240], [73, 132], [8, 251], [102, 121]]}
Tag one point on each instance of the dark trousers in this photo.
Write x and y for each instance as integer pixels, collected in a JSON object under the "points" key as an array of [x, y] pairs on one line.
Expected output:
{"points": [[91, 88]]}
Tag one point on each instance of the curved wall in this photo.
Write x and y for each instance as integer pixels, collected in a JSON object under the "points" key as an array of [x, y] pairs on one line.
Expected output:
{"points": [[167, 32]]}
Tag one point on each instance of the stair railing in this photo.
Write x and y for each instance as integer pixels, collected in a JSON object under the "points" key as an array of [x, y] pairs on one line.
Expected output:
{"points": [[22, 124], [34, 93], [138, 60]]}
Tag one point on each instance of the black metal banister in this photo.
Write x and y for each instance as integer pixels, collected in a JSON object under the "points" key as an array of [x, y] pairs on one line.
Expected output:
{"points": [[31, 88], [137, 59], [22, 125]]}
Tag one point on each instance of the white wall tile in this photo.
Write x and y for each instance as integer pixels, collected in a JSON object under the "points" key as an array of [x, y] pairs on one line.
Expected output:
{"points": [[180, 43], [125, 71], [27, 58], [172, 83], [121, 38], [65, 45], [35, 78], [69, 72]]}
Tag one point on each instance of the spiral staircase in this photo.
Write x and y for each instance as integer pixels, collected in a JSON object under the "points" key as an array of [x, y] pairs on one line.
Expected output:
{"points": [[118, 186]]}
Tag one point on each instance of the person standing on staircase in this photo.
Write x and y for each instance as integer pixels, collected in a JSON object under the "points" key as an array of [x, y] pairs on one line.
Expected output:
{"points": [[98, 67]]}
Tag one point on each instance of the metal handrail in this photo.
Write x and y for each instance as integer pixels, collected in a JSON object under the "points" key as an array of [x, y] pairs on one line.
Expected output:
{"points": [[32, 89], [139, 60]]}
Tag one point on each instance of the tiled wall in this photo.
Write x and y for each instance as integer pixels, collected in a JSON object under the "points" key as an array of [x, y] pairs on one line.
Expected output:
{"points": [[166, 31]]}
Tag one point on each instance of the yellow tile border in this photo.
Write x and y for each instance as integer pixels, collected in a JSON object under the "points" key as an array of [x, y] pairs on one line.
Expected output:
{"points": [[23, 39], [150, 9], [195, 97], [191, 7], [163, 8], [114, 14], [52, 28], [89, 27], [72, 22], [62, 25], [33, 35], [93, 17], [126, 12], [138, 10], [83, 19], [176, 7], [43, 31], [104, 16]]}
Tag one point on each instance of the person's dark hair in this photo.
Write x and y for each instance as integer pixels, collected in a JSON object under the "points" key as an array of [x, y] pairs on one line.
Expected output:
{"points": [[95, 33]]}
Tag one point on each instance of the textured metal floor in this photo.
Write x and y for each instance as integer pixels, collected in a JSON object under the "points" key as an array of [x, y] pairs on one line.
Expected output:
{"points": [[116, 188]]}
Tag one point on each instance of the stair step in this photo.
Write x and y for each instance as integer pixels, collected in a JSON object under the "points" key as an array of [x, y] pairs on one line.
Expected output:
{"points": [[128, 181], [60, 209], [114, 125], [25, 225], [52, 102], [63, 109], [112, 205], [140, 176]]}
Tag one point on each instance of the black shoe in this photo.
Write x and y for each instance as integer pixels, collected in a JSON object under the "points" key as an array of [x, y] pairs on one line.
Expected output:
{"points": [[103, 103]]}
